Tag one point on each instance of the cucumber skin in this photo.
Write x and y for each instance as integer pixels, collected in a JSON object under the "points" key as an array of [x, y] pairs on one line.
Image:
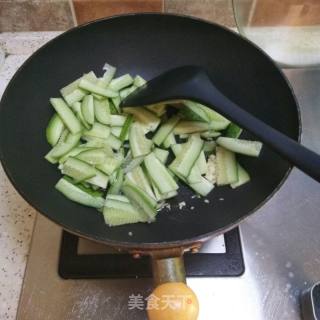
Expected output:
{"points": [[75, 193], [54, 129], [246, 147]]}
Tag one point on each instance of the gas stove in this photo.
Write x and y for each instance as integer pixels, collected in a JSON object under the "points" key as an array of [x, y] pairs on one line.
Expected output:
{"points": [[256, 272]]}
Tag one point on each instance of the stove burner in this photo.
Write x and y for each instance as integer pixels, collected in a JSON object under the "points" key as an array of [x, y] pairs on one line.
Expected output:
{"points": [[94, 266]]}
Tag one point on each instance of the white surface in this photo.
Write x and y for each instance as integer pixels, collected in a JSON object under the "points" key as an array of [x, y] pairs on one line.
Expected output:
{"points": [[16, 216]]}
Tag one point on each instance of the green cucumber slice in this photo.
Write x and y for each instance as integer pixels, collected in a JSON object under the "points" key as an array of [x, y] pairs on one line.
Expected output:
{"points": [[117, 183], [117, 197], [138, 177], [243, 177], [110, 71], [121, 82], [139, 144], [124, 135], [204, 187], [66, 115], [78, 194], [210, 134], [54, 129], [102, 111], [185, 126], [194, 175], [140, 199], [165, 129], [188, 156], [109, 166], [161, 154], [66, 142], [193, 111], [77, 109], [233, 131], [117, 120], [94, 88], [202, 163], [87, 109], [215, 116], [169, 140], [74, 152], [100, 179], [159, 174], [93, 156], [246, 147], [114, 142], [98, 130], [226, 167], [125, 92], [77, 169], [139, 81], [115, 105], [72, 93]]}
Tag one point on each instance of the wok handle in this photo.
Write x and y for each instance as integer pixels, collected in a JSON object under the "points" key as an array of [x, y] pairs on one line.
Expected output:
{"points": [[304, 159], [172, 298]]}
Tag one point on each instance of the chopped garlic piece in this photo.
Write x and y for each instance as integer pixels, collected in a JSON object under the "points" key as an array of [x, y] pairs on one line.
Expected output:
{"points": [[182, 204]]}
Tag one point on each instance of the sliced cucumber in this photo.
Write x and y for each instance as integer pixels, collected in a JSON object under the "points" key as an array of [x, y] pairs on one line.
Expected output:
{"points": [[117, 213], [66, 115], [93, 156], [138, 177], [98, 130], [139, 81], [87, 109], [226, 167], [233, 131], [114, 142], [215, 116], [117, 120], [243, 177], [117, 197], [77, 109], [121, 82], [159, 174], [109, 166], [125, 92], [210, 134], [110, 71], [78, 194], [144, 117], [102, 111], [94, 88], [194, 175], [139, 144], [165, 130], [116, 131], [74, 152], [54, 129], [117, 182], [72, 93], [176, 148], [140, 199], [169, 140], [115, 105], [246, 147], [202, 163], [124, 134], [100, 179], [193, 111], [188, 156], [66, 142], [130, 163], [77, 169], [204, 187], [161, 154]]}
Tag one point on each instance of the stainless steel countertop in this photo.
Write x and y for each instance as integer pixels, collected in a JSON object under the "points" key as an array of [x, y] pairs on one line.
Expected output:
{"points": [[281, 246]]}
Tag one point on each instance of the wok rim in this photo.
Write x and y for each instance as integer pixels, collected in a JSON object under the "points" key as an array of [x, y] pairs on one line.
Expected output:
{"points": [[164, 244]]}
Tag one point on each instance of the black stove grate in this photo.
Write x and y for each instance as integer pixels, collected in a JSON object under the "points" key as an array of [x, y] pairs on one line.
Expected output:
{"points": [[94, 266]]}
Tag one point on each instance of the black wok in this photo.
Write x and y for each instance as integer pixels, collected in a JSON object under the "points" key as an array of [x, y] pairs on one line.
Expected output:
{"points": [[146, 44]]}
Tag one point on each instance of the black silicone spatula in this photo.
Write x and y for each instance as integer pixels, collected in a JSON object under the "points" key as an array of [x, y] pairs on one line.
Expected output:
{"points": [[193, 83]]}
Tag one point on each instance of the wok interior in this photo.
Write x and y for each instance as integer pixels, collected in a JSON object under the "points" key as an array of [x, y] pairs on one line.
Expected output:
{"points": [[145, 45]]}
